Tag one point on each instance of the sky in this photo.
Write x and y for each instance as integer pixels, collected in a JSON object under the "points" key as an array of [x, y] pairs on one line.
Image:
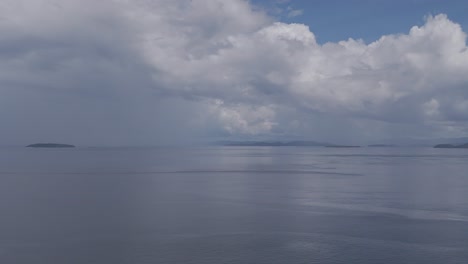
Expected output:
{"points": [[335, 20], [152, 72]]}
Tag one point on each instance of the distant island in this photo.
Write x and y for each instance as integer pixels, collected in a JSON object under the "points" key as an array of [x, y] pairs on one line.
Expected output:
{"points": [[451, 146], [381, 146], [50, 145]]}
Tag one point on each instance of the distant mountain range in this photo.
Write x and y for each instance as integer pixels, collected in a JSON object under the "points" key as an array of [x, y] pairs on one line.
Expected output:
{"points": [[415, 142], [274, 143], [401, 142], [297, 143]]}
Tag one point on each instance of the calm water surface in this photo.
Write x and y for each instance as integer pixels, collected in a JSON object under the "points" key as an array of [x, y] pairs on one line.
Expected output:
{"points": [[233, 205]]}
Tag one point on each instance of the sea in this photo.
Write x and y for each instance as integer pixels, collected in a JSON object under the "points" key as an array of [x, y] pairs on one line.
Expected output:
{"points": [[215, 205]]}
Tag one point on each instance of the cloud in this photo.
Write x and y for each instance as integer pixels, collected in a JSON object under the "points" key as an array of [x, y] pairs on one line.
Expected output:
{"points": [[245, 119], [294, 12], [136, 71]]}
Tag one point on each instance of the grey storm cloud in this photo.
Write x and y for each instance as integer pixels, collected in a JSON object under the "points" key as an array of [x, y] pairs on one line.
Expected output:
{"points": [[155, 71]]}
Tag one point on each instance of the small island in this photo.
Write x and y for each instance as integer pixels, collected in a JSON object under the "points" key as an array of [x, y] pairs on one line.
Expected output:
{"points": [[451, 146], [50, 145]]}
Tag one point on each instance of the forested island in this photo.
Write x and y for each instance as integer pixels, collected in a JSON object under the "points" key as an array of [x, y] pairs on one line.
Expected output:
{"points": [[451, 146], [50, 145]]}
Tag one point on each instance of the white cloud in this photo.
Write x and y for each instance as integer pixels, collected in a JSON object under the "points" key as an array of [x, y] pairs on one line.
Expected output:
{"points": [[295, 12], [128, 54], [245, 119]]}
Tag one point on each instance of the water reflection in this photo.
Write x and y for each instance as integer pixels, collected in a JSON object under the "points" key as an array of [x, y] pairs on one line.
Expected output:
{"points": [[233, 205]]}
